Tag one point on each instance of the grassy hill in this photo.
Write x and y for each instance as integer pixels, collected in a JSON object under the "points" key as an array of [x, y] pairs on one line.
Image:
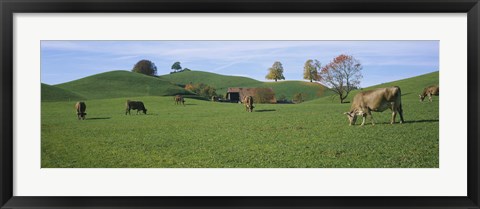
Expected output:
{"points": [[217, 81], [52, 93], [222, 82], [115, 84], [290, 88], [411, 88]]}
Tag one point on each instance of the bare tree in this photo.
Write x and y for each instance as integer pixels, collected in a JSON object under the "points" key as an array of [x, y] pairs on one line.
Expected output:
{"points": [[342, 75]]}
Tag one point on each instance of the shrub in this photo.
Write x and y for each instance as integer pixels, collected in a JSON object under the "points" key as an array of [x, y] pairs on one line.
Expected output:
{"points": [[299, 97], [201, 89]]}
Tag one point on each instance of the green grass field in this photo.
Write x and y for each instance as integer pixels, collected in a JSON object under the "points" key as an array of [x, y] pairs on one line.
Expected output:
{"points": [[203, 134]]}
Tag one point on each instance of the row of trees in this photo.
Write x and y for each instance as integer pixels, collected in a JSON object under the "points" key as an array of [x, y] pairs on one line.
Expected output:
{"points": [[147, 67], [341, 75]]}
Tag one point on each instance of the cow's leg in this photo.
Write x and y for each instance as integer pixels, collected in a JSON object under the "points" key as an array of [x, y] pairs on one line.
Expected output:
{"points": [[400, 112], [364, 117], [394, 114], [371, 117]]}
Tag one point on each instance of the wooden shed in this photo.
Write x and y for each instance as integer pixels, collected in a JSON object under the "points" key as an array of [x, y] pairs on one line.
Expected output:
{"points": [[260, 95]]}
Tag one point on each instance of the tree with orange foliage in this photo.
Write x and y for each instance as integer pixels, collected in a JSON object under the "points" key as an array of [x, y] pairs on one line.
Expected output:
{"points": [[342, 75]]}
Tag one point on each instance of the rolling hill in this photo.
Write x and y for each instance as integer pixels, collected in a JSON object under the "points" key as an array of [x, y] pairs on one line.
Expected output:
{"points": [[52, 93], [217, 81], [290, 88], [115, 84], [411, 87], [222, 82]]}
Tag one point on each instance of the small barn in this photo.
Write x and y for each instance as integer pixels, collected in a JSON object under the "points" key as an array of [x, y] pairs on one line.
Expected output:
{"points": [[260, 95]]}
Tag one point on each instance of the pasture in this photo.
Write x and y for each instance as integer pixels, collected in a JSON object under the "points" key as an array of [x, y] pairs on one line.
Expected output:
{"points": [[203, 134]]}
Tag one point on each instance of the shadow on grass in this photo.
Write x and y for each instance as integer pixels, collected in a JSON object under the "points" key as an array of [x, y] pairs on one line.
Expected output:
{"points": [[421, 121], [268, 110], [396, 122], [406, 94], [190, 104], [104, 118]]}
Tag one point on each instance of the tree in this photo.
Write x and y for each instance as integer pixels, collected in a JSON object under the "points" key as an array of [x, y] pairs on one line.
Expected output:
{"points": [[299, 97], [176, 66], [310, 70], [275, 72], [342, 75], [146, 67], [201, 89]]}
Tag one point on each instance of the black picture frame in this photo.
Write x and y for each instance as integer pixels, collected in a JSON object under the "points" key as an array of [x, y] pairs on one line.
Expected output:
{"points": [[9, 7]]}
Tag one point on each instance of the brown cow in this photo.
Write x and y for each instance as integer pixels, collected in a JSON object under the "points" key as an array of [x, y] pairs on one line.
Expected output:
{"points": [[429, 91], [376, 100], [81, 107], [179, 99], [135, 105], [248, 102]]}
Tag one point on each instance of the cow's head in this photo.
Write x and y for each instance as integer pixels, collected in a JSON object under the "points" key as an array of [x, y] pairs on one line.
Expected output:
{"points": [[145, 111], [422, 97], [352, 117]]}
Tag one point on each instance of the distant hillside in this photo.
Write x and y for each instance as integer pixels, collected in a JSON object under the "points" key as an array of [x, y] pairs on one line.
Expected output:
{"points": [[52, 93], [215, 80], [411, 87], [222, 82], [290, 88], [115, 84]]}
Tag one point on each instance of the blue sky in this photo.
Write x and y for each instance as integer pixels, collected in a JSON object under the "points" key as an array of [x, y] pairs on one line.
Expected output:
{"points": [[382, 61]]}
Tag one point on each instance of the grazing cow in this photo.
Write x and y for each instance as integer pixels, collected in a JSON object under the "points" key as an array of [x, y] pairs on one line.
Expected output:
{"points": [[179, 99], [248, 102], [376, 100], [135, 105], [429, 91], [81, 107]]}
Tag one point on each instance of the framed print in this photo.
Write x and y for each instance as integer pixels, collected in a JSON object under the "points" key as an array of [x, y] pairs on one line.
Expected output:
{"points": [[264, 104]]}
